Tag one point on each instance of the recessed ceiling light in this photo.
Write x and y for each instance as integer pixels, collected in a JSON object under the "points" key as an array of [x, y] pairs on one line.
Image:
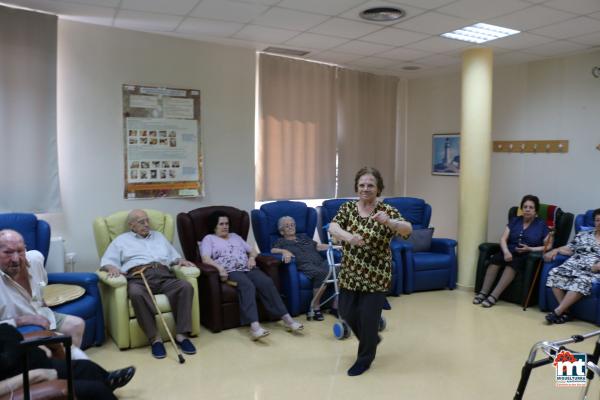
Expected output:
{"points": [[382, 14], [480, 33], [286, 52]]}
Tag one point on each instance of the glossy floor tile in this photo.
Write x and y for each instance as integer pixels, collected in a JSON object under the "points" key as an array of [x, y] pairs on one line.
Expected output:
{"points": [[437, 345]]}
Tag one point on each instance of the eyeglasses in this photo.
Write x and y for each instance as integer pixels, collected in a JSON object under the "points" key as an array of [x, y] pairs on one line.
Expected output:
{"points": [[289, 225]]}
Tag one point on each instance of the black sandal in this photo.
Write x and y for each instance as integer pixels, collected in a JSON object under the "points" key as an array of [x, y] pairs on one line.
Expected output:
{"points": [[489, 301], [479, 297], [564, 317], [119, 377]]}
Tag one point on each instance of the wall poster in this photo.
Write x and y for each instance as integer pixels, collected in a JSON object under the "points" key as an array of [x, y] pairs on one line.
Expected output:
{"points": [[163, 152]]}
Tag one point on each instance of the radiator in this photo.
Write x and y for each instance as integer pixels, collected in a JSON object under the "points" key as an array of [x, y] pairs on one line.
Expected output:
{"points": [[56, 255]]}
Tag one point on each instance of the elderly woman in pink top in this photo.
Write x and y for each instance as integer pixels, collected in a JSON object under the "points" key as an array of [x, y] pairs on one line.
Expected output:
{"points": [[235, 261]]}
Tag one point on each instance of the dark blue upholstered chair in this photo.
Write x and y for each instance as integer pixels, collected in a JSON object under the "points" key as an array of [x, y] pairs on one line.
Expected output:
{"points": [[36, 233], [296, 288], [327, 211], [584, 221], [434, 269], [586, 309]]}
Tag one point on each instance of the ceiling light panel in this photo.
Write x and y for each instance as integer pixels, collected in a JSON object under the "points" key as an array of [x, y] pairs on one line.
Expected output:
{"points": [[480, 33]]}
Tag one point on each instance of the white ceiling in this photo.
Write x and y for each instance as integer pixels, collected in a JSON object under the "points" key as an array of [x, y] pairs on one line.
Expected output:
{"points": [[332, 31]]}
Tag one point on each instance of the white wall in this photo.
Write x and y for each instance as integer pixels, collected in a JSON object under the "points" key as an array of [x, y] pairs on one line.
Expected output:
{"points": [[553, 99], [93, 63]]}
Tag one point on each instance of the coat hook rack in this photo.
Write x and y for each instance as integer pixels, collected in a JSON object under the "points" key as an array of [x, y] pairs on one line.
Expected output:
{"points": [[531, 146]]}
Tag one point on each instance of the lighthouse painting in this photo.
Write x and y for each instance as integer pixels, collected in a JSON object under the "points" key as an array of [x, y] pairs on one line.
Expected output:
{"points": [[445, 158]]}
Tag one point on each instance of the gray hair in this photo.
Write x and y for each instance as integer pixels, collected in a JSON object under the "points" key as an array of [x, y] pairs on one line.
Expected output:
{"points": [[132, 215], [282, 220]]}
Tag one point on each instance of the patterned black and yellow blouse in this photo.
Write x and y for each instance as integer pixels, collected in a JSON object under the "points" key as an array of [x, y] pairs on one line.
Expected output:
{"points": [[366, 268]]}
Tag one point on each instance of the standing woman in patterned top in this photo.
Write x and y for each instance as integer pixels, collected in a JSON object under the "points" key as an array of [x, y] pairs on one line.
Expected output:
{"points": [[366, 227]]}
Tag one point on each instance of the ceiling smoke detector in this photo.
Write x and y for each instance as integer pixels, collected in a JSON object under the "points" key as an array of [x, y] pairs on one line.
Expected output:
{"points": [[382, 14]]}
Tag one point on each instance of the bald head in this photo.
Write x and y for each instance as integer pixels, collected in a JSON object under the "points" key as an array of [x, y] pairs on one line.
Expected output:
{"points": [[12, 252], [7, 235], [138, 222]]}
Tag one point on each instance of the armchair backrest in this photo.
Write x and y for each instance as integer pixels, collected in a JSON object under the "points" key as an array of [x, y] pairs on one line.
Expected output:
{"points": [[555, 218], [414, 210], [35, 232], [328, 209], [264, 221], [106, 229], [192, 227], [584, 221]]}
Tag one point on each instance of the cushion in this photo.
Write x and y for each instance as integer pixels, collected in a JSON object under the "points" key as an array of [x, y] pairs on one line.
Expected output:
{"points": [[59, 293], [421, 239]]}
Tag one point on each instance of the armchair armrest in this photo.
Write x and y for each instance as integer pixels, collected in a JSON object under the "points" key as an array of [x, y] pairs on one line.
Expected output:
{"points": [[186, 272], [112, 282], [269, 264], [489, 247], [86, 280], [439, 245]]}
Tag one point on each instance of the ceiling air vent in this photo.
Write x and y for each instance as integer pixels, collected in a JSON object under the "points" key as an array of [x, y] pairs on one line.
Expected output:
{"points": [[382, 14], [286, 52]]}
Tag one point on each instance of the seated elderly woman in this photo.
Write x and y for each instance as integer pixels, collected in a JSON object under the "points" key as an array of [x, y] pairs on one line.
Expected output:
{"points": [[573, 279], [308, 260], [521, 236], [235, 261]]}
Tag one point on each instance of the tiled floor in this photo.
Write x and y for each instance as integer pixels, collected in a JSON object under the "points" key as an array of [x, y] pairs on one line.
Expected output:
{"points": [[437, 345]]}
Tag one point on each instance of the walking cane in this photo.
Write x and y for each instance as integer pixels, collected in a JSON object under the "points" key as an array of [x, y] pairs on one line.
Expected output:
{"points": [[547, 246], [179, 355]]}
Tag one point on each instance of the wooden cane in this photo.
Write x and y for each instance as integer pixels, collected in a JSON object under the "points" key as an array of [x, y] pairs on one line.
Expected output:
{"points": [[547, 246], [179, 355]]}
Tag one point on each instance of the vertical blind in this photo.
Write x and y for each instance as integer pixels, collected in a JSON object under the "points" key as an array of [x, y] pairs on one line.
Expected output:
{"points": [[28, 153]]}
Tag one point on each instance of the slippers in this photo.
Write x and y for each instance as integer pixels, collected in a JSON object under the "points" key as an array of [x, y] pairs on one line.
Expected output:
{"points": [[119, 377], [489, 301], [294, 326], [554, 318], [258, 334]]}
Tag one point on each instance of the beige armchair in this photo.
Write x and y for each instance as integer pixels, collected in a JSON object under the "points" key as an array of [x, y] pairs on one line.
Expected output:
{"points": [[118, 313]]}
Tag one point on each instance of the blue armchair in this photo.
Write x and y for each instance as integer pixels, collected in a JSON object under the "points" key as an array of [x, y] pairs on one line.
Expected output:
{"points": [[296, 288], [36, 234], [586, 309], [329, 209], [433, 269], [584, 221]]}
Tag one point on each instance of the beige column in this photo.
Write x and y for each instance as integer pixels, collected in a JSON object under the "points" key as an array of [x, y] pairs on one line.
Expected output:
{"points": [[475, 155]]}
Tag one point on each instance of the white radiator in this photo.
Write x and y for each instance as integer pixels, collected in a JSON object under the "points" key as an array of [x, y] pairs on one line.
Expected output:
{"points": [[56, 255]]}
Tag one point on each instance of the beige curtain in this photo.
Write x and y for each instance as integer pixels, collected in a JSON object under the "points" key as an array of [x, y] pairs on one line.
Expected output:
{"points": [[296, 143], [367, 119], [28, 155]]}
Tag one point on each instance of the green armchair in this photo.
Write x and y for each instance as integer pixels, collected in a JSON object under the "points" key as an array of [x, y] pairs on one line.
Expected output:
{"points": [[119, 316]]}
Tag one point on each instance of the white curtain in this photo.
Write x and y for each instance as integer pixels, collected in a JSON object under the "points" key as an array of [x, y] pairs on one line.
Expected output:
{"points": [[296, 144], [367, 134], [28, 154]]}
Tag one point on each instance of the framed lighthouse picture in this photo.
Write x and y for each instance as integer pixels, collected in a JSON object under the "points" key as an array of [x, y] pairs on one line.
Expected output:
{"points": [[445, 157]]}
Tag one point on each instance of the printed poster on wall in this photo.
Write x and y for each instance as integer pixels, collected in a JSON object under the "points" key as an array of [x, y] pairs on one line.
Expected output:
{"points": [[163, 152]]}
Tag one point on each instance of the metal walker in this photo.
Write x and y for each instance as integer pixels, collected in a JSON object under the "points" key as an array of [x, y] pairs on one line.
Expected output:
{"points": [[341, 330], [551, 349]]}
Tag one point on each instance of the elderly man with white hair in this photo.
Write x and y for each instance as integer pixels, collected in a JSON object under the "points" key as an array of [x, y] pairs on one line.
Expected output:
{"points": [[142, 249], [22, 276]]}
